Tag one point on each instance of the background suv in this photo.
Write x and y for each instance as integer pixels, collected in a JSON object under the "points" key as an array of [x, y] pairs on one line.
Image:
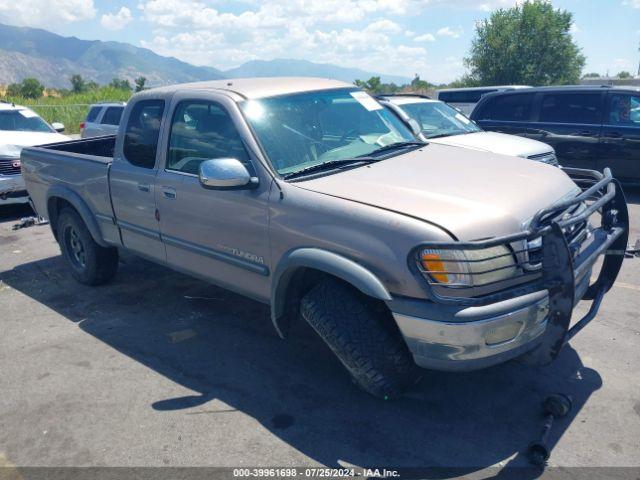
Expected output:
{"points": [[102, 119], [589, 127], [465, 99]]}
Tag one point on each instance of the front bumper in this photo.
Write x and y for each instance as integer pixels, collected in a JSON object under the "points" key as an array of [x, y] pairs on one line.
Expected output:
{"points": [[458, 333], [12, 190]]}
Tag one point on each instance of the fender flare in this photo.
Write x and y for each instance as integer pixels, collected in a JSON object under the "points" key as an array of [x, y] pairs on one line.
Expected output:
{"points": [[57, 191], [324, 261]]}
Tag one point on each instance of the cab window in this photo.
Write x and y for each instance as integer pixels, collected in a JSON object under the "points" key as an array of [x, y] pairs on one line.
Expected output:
{"points": [[141, 136], [112, 116], [202, 130], [511, 108]]}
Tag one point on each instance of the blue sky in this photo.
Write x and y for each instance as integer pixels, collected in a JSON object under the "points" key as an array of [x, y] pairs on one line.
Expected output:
{"points": [[401, 37]]}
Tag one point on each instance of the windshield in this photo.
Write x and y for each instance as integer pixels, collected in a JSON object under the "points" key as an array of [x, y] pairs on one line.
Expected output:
{"points": [[301, 130], [437, 119], [22, 121]]}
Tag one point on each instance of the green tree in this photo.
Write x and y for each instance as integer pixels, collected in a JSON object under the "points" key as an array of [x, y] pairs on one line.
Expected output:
{"points": [[417, 84], [527, 44], [373, 85], [120, 84], [591, 75], [623, 75], [140, 83], [78, 85], [31, 88], [13, 89]]}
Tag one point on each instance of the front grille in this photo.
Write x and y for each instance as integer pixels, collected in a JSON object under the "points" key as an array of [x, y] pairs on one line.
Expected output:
{"points": [[9, 166], [548, 157]]}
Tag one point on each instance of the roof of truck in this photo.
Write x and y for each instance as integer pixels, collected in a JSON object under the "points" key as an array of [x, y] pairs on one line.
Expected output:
{"points": [[258, 87]]}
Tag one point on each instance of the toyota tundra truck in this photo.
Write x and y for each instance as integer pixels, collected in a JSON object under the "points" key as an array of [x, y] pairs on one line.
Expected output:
{"points": [[307, 195]]}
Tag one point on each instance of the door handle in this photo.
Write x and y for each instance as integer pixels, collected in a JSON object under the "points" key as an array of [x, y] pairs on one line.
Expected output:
{"points": [[169, 192], [143, 187], [586, 133]]}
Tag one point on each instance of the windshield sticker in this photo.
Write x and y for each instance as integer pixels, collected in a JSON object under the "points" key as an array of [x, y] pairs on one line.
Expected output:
{"points": [[27, 113], [366, 101], [462, 118]]}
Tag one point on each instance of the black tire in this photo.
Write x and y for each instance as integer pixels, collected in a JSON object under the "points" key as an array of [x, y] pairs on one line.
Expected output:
{"points": [[90, 264], [363, 336]]}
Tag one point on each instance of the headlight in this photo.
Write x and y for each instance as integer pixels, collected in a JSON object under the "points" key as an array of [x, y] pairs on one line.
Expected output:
{"points": [[467, 268], [10, 151]]}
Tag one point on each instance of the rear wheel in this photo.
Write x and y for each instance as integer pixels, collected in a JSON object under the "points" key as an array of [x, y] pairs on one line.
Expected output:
{"points": [[363, 336], [90, 263]]}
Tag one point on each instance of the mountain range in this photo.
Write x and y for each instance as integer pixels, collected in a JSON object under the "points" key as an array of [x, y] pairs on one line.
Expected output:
{"points": [[52, 59]]}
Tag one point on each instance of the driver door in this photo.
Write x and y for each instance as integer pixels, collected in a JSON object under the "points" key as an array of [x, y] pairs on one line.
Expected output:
{"points": [[219, 235]]}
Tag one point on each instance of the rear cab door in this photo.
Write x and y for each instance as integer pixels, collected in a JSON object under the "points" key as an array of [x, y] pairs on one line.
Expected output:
{"points": [[132, 177], [571, 122], [620, 143]]}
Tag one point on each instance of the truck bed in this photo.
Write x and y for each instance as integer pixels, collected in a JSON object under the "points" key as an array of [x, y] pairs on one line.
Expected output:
{"points": [[75, 170], [102, 147]]}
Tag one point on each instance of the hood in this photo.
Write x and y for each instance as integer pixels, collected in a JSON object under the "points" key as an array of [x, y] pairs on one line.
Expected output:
{"points": [[497, 143], [471, 194], [9, 140]]}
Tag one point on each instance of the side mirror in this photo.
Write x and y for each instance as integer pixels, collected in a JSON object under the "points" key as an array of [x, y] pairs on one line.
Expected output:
{"points": [[415, 126], [225, 174], [58, 127]]}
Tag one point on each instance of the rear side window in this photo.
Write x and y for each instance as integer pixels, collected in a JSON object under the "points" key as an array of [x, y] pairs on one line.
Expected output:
{"points": [[511, 108], [141, 136], [112, 116], [93, 114], [585, 108], [463, 96]]}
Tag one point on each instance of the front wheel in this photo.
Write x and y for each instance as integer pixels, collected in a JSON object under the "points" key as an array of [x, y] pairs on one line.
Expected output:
{"points": [[90, 263], [363, 336]]}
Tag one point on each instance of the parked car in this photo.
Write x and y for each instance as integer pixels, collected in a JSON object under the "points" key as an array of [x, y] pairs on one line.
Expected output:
{"points": [[102, 119], [308, 195], [465, 99], [437, 122], [589, 127], [20, 127]]}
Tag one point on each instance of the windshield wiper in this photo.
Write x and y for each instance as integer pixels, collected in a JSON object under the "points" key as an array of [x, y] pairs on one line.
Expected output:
{"points": [[398, 145], [329, 165], [450, 134]]}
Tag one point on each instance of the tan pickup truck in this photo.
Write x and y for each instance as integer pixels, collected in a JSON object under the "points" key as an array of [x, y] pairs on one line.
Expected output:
{"points": [[308, 195]]}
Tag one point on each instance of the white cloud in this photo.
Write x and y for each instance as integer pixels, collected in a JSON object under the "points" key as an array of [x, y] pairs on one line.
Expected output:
{"points": [[632, 3], [386, 26], [45, 13], [574, 28], [427, 37], [449, 32], [622, 63], [485, 6], [118, 20], [323, 32]]}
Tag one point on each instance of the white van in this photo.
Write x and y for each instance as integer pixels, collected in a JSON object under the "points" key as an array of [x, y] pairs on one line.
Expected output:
{"points": [[465, 99]]}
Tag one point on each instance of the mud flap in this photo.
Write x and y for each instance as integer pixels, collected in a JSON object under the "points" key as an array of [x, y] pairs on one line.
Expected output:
{"points": [[557, 265]]}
